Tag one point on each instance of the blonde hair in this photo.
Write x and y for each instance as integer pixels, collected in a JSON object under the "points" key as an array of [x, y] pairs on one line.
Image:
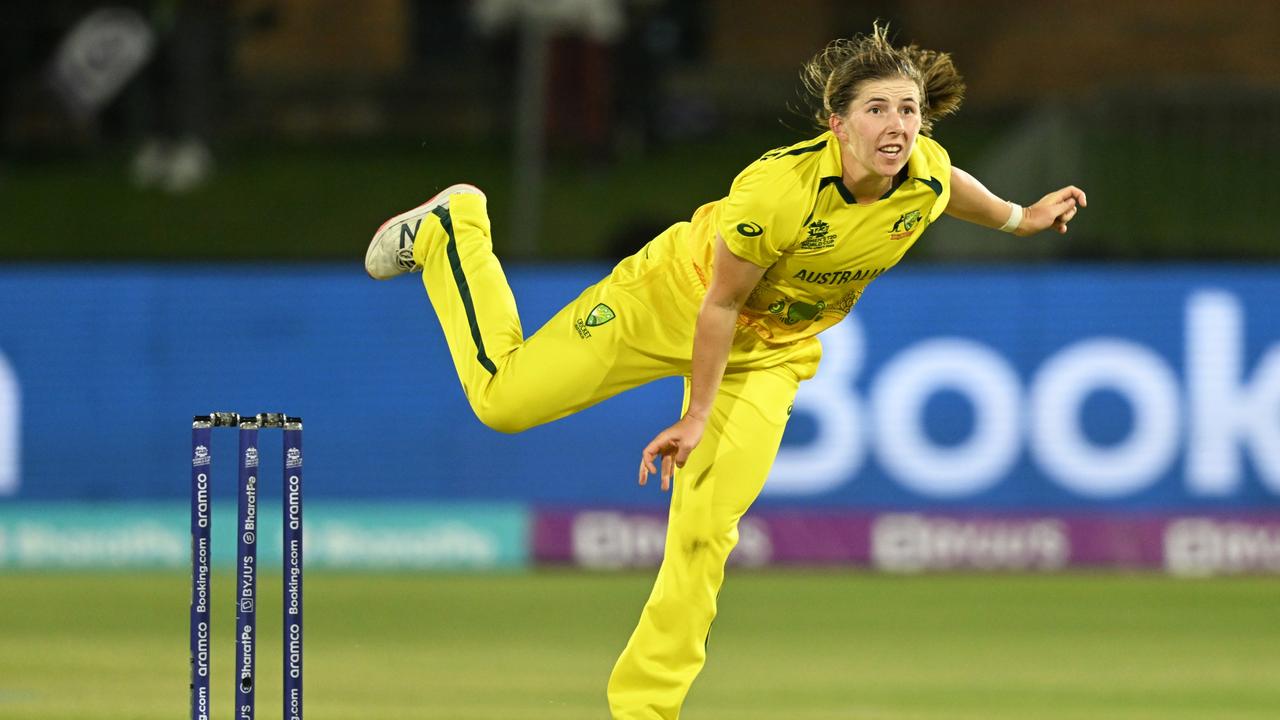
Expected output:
{"points": [[832, 78]]}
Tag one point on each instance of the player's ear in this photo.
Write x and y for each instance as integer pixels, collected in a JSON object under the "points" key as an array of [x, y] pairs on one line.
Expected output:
{"points": [[837, 126]]}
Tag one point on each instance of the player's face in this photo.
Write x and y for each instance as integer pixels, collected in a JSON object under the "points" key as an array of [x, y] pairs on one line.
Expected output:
{"points": [[879, 128]]}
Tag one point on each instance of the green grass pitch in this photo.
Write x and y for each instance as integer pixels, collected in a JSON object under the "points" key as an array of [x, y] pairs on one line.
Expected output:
{"points": [[797, 645]]}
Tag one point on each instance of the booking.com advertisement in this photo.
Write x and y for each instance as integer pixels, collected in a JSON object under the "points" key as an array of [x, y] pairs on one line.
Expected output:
{"points": [[1026, 418]]}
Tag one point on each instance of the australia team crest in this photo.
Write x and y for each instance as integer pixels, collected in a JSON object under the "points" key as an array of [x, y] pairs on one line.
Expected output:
{"points": [[906, 225]]}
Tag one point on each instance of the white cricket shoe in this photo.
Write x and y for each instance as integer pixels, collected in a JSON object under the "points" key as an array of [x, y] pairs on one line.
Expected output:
{"points": [[391, 250]]}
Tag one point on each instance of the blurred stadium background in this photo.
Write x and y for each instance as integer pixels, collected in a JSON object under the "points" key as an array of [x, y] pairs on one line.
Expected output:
{"points": [[1034, 478]]}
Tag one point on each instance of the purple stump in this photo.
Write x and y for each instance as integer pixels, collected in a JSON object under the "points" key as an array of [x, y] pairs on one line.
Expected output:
{"points": [[247, 570], [201, 549], [292, 569]]}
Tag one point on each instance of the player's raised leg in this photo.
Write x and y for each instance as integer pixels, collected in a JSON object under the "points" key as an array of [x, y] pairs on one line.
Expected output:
{"points": [[719, 482], [605, 341]]}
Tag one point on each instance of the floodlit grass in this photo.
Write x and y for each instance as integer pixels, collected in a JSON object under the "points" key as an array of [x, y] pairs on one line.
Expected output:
{"points": [[796, 645]]}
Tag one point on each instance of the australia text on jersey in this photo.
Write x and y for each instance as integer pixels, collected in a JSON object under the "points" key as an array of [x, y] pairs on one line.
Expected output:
{"points": [[838, 277]]}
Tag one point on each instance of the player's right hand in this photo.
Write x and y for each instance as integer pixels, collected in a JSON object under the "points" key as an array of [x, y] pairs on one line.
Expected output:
{"points": [[674, 445]]}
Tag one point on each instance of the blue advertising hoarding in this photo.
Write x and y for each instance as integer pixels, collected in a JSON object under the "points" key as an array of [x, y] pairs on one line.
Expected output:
{"points": [[1021, 388]]}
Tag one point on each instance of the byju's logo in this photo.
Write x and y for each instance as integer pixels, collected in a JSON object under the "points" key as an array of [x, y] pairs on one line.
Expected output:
{"points": [[1201, 546]]}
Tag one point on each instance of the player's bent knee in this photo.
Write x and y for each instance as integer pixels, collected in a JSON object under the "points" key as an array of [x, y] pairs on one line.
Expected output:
{"points": [[504, 419]]}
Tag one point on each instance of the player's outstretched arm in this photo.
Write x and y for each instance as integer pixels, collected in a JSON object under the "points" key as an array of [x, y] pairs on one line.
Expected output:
{"points": [[972, 202], [732, 280]]}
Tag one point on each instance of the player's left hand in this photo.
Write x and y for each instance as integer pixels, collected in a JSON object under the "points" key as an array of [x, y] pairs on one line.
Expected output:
{"points": [[674, 445], [1054, 210]]}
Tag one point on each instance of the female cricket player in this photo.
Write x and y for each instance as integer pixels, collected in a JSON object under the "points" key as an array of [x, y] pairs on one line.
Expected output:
{"points": [[732, 300]]}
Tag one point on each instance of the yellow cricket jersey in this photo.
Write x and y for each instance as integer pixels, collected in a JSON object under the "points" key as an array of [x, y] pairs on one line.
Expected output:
{"points": [[790, 212]]}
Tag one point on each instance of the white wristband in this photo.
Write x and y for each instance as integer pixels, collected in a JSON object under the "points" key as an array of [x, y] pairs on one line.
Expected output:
{"points": [[1015, 218]]}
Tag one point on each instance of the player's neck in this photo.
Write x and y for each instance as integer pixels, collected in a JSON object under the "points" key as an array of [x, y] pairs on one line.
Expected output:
{"points": [[866, 186]]}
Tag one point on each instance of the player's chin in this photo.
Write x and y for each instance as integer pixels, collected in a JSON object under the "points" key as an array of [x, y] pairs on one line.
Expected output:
{"points": [[890, 166]]}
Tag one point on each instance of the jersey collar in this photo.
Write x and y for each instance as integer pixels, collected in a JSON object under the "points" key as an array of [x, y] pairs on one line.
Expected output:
{"points": [[918, 169]]}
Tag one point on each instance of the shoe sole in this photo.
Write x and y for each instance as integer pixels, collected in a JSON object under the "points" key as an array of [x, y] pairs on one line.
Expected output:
{"points": [[428, 205]]}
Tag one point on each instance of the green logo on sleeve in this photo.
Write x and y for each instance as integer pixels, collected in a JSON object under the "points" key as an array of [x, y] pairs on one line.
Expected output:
{"points": [[749, 229], [599, 315]]}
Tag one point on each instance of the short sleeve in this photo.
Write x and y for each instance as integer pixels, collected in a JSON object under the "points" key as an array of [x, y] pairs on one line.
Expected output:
{"points": [[760, 219], [940, 170]]}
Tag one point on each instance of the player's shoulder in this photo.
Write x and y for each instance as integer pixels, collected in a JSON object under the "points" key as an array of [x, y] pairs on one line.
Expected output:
{"points": [[932, 154], [931, 164], [792, 168], [799, 154]]}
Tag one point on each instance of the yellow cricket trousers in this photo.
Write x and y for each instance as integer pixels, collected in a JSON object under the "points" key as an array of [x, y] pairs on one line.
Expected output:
{"points": [[633, 327]]}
